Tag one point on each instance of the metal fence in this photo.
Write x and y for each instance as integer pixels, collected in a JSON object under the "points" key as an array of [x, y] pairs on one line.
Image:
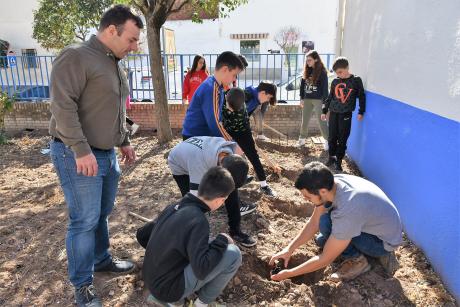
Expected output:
{"points": [[27, 77]]}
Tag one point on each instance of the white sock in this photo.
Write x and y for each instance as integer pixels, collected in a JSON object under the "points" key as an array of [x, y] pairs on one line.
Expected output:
{"points": [[199, 303], [263, 184]]}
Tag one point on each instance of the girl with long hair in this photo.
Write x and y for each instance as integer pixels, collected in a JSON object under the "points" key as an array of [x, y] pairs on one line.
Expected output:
{"points": [[313, 91]]}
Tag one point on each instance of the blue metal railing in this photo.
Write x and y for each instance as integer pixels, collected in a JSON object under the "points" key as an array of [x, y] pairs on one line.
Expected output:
{"points": [[29, 78]]}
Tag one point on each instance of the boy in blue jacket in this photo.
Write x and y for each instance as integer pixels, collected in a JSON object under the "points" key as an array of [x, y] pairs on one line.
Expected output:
{"points": [[203, 117]]}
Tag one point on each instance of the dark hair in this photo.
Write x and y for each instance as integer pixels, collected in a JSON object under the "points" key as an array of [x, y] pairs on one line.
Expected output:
{"points": [[243, 60], [318, 68], [315, 176], [195, 63], [235, 98], [269, 88], [340, 62], [216, 182], [229, 59], [117, 15], [238, 167]]}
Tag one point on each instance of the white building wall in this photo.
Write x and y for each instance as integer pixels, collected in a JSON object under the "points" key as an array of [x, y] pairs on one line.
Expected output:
{"points": [[407, 50], [316, 19], [16, 19]]}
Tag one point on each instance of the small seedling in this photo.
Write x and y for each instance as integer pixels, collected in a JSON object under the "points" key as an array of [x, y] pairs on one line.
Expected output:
{"points": [[279, 266]]}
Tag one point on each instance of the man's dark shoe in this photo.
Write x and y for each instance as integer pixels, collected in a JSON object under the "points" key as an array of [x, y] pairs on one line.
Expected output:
{"points": [[242, 238], [86, 296], [246, 208], [331, 161], [117, 266], [338, 165], [268, 191]]}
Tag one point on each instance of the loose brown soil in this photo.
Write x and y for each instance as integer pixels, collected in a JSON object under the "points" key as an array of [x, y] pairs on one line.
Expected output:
{"points": [[33, 225]]}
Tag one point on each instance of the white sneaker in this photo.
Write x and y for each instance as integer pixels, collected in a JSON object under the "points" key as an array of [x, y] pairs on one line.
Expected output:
{"points": [[326, 146], [300, 143], [262, 137], [134, 128]]}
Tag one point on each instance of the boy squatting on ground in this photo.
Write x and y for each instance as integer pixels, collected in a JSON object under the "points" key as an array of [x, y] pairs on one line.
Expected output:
{"points": [[340, 104], [180, 259], [235, 119], [203, 116], [189, 161], [354, 218]]}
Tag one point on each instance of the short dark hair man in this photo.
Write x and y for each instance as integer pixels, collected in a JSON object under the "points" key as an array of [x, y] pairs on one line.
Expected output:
{"points": [[88, 94], [355, 219], [180, 259]]}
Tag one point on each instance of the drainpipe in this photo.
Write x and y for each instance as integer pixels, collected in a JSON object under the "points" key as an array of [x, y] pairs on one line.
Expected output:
{"points": [[340, 27]]}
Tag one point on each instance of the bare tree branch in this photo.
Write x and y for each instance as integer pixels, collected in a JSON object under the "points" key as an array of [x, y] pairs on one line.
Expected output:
{"points": [[140, 7], [171, 11]]}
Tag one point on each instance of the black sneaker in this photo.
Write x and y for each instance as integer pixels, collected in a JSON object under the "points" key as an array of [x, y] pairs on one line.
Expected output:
{"points": [[331, 161], [116, 266], [338, 165], [86, 296], [268, 191], [242, 238], [246, 208]]}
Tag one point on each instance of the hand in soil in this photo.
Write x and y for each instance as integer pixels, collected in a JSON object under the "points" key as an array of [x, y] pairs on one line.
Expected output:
{"points": [[278, 273], [279, 266], [284, 274], [284, 255], [277, 169]]}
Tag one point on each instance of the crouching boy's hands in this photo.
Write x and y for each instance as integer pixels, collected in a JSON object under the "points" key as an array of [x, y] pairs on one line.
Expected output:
{"points": [[284, 254], [284, 274], [323, 117]]}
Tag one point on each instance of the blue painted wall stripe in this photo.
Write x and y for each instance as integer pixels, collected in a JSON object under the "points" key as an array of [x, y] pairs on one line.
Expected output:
{"points": [[414, 156]]}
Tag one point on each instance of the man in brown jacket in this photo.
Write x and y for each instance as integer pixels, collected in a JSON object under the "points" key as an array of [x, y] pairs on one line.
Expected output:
{"points": [[88, 95]]}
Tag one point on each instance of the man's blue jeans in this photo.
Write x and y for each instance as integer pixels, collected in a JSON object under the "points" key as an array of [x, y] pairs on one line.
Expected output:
{"points": [[213, 285], [89, 201], [365, 243]]}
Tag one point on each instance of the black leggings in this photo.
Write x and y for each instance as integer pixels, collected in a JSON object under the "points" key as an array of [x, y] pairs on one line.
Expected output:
{"points": [[232, 204], [247, 144]]}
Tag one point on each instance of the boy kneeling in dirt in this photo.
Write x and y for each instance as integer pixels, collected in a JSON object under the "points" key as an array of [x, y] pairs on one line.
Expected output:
{"points": [[190, 159], [180, 259], [354, 218]]}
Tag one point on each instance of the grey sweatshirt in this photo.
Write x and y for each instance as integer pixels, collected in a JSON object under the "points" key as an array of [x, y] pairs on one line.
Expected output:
{"points": [[196, 155]]}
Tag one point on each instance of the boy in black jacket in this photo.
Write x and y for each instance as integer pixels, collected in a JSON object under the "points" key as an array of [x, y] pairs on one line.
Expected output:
{"points": [[180, 259], [340, 104]]}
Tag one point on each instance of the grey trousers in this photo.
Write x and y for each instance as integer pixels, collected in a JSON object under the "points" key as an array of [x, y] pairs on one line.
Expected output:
{"points": [[308, 106]]}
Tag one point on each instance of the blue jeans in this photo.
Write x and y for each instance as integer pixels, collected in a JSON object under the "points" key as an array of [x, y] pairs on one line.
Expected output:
{"points": [[213, 285], [365, 243], [89, 201]]}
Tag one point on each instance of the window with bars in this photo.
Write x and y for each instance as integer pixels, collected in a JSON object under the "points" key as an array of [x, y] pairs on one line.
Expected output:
{"points": [[250, 49]]}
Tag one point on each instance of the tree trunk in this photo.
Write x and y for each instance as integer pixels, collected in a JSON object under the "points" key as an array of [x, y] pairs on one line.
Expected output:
{"points": [[288, 61], [159, 85]]}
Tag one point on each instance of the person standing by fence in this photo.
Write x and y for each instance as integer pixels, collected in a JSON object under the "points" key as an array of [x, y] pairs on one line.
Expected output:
{"points": [[194, 78], [313, 91], [88, 106]]}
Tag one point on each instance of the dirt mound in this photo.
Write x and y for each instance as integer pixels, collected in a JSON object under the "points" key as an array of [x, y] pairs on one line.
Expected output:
{"points": [[33, 217]]}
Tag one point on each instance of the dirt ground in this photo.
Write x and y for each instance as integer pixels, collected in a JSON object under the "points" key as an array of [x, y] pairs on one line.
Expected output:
{"points": [[33, 226]]}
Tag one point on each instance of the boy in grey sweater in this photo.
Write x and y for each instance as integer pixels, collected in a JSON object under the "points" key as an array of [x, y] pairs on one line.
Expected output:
{"points": [[191, 159]]}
